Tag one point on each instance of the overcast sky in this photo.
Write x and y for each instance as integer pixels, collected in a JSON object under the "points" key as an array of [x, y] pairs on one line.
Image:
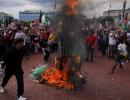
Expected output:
{"points": [[89, 7]]}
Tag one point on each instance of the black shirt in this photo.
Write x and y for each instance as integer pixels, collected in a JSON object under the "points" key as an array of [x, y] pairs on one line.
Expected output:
{"points": [[13, 59]]}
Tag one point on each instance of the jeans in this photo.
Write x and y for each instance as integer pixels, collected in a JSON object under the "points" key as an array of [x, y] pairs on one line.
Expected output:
{"points": [[90, 53], [19, 78]]}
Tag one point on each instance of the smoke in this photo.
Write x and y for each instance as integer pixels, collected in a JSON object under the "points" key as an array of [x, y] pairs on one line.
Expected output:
{"points": [[71, 33], [92, 8], [73, 43]]}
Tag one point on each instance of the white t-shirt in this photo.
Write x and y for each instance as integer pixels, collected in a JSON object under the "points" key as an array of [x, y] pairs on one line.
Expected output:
{"points": [[122, 48], [20, 35], [112, 40]]}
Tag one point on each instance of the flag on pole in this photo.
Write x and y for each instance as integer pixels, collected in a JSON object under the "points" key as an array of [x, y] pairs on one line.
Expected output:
{"points": [[40, 16]]}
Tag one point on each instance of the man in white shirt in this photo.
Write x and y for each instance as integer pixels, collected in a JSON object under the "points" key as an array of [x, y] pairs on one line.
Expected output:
{"points": [[20, 35], [122, 54], [122, 49], [112, 39], [112, 44]]}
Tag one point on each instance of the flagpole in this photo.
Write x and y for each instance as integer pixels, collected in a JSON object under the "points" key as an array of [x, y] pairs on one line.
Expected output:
{"points": [[124, 6]]}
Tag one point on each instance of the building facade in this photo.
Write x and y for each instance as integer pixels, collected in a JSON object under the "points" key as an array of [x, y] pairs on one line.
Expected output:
{"points": [[4, 18], [116, 13], [28, 15], [31, 15]]}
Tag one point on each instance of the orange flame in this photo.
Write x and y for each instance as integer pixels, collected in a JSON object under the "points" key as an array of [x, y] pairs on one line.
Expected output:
{"points": [[72, 4]]}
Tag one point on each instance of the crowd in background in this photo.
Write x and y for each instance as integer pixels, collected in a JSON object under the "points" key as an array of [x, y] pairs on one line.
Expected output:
{"points": [[109, 40], [35, 39], [112, 42]]}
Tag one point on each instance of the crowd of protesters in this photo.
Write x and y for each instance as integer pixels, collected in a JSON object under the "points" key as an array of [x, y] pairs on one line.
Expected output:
{"points": [[112, 42], [34, 39], [16, 42]]}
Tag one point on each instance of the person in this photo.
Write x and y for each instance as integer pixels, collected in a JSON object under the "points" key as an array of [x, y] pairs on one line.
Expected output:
{"points": [[90, 41], [2, 48], [44, 44], [112, 44], [75, 75], [6, 40], [121, 55], [35, 41], [13, 66], [104, 43], [128, 45], [20, 34], [52, 42], [27, 42]]}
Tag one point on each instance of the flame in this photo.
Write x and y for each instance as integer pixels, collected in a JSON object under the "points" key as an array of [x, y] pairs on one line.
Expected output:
{"points": [[72, 4], [57, 78]]}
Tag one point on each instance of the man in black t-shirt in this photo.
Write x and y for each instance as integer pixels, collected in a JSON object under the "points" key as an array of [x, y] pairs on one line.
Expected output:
{"points": [[13, 66]]}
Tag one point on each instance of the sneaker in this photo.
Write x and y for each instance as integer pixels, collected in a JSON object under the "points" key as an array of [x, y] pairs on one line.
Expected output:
{"points": [[2, 90], [22, 98]]}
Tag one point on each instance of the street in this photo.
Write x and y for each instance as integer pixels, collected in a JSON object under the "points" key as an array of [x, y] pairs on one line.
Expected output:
{"points": [[100, 85]]}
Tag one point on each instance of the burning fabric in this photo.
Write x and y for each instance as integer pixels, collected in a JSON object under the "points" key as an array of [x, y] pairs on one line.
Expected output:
{"points": [[58, 76], [37, 72], [63, 77]]}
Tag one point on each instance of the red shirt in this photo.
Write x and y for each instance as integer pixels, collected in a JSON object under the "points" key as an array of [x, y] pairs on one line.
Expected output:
{"points": [[7, 36], [44, 36], [90, 40]]}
